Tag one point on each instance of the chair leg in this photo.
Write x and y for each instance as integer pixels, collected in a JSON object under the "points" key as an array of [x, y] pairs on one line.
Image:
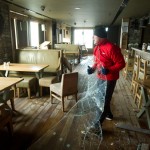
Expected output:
{"points": [[41, 93], [63, 104], [12, 103], [10, 128], [18, 92], [51, 97], [29, 92], [76, 98], [14, 88]]}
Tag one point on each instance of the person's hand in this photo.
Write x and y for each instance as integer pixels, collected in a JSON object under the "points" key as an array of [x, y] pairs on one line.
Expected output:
{"points": [[90, 70], [104, 71]]}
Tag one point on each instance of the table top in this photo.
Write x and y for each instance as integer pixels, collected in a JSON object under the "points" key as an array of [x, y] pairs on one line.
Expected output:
{"points": [[140, 50], [7, 82], [24, 67]]}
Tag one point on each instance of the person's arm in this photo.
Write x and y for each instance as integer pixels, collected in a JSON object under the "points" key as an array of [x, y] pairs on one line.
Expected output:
{"points": [[117, 59], [92, 69], [94, 66]]}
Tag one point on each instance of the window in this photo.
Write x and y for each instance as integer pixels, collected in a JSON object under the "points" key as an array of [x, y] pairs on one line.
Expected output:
{"points": [[20, 33], [84, 37], [34, 34]]}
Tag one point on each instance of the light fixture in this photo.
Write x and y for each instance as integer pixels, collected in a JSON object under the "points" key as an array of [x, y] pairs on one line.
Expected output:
{"points": [[106, 29], [42, 7], [43, 27], [77, 8], [18, 13]]}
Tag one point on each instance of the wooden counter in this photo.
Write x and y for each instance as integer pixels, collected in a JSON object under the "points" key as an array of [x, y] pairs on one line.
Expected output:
{"points": [[143, 54]]}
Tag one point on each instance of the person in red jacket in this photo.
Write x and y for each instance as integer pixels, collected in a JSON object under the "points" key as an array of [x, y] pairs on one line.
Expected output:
{"points": [[108, 61]]}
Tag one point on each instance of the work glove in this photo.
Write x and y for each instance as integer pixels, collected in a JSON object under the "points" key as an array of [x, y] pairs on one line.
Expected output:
{"points": [[104, 71], [90, 70]]}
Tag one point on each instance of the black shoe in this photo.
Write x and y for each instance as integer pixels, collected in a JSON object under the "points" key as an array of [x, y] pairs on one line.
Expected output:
{"points": [[109, 117]]}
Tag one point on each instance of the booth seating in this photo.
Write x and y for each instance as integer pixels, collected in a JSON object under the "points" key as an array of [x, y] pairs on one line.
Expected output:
{"points": [[29, 83], [70, 51], [51, 57]]}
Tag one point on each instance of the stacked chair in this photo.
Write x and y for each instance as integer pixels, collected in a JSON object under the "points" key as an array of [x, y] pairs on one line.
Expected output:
{"points": [[143, 75], [135, 73]]}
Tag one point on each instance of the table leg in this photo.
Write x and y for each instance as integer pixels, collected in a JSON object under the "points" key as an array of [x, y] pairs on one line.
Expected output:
{"points": [[148, 116], [146, 106], [2, 73], [38, 75]]}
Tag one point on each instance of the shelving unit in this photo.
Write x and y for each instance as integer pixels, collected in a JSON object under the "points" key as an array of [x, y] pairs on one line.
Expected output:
{"points": [[124, 33]]}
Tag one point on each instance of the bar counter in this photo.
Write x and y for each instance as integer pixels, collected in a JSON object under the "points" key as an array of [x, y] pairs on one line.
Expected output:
{"points": [[142, 53]]}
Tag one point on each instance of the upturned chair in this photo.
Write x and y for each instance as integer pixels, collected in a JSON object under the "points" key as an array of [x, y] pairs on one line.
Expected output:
{"points": [[68, 86]]}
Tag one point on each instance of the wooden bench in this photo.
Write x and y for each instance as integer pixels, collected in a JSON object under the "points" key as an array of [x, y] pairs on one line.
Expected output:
{"points": [[51, 57]]}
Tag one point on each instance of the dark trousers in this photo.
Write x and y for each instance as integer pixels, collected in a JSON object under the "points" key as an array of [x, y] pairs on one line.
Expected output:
{"points": [[109, 87]]}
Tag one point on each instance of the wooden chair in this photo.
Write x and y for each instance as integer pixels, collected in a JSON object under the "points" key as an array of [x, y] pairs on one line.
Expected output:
{"points": [[83, 50], [129, 60], [67, 86], [144, 75], [66, 65], [46, 81], [135, 73], [7, 95], [6, 118]]}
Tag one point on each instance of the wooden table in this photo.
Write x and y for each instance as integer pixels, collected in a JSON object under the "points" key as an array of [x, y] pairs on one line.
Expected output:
{"points": [[7, 83], [36, 68], [143, 54], [5, 111], [146, 101]]}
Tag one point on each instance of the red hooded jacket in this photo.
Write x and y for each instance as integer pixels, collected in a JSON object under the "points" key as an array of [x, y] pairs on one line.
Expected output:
{"points": [[109, 56]]}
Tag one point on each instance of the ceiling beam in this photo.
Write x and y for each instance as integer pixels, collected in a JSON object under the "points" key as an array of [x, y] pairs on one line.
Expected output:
{"points": [[121, 8]]}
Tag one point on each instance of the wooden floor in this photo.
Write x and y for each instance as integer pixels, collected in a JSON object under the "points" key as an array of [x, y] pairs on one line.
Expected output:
{"points": [[35, 117]]}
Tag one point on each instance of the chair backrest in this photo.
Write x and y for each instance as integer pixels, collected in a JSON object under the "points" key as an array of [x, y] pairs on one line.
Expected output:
{"points": [[136, 67], [143, 69], [69, 83]]}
